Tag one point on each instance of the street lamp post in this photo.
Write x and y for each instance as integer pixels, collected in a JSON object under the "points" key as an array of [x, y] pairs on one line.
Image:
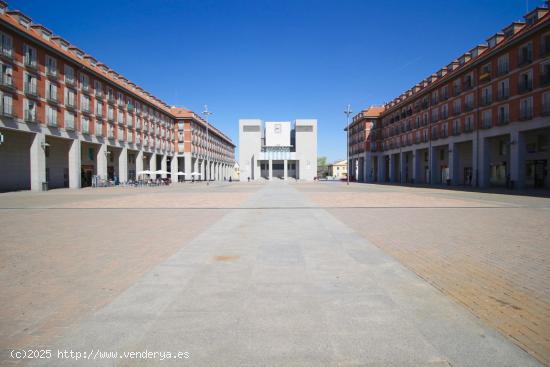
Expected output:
{"points": [[348, 112], [207, 113]]}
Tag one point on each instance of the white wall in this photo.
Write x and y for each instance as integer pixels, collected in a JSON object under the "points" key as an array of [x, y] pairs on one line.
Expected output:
{"points": [[250, 145], [277, 134], [306, 148]]}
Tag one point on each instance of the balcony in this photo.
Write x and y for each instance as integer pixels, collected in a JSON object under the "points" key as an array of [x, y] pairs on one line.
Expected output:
{"points": [[486, 100], [98, 93], [525, 86], [30, 116], [52, 74], [503, 70], [525, 60], [545, 109], [456, 130], [485, 77], [545, 79], [31, 91], [69, 125], [456, 90], [7, 54], [70, 104], [468, 107], [503, 94], [85, 109], [70, 82], [110, 99], [85, 90], [526, 114], [468, 128], [468, 85], [486, 124], [31, 64], [503, 119], [6, 82], [52, 122]]}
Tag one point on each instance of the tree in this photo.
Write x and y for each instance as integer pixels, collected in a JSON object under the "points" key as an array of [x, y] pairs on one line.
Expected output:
{"points": [[322, 167]]}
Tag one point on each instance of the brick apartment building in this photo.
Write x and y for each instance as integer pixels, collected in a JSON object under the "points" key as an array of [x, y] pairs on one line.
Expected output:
{"points": [[483, 120], [66, 117]]}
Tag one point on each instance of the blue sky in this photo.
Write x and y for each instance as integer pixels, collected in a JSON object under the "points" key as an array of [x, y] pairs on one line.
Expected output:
{"points": [[276, 60]]}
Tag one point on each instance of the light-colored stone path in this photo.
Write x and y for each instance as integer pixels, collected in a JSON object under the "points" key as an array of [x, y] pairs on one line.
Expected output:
{"points": [[287, 287]]}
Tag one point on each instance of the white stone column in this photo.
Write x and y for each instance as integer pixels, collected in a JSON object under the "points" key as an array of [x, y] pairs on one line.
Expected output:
{"points": [[517, 159], [174, 168], [483, 162], [454, 156], [153, 164], [381, 168], [416, 159], [188, 169], [392, 169], [123, 165], [75, 160], [270, 169], [139, 162], [102, 161], [402, 167], [164, 165], [433, 165], [38, 162], [285, 169]]}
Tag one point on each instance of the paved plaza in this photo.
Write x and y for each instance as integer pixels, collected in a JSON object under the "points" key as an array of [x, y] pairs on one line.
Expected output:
{"points": [[276, 274]]}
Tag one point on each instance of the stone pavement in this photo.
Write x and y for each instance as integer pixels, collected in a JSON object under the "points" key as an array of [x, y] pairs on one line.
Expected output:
{"points": [[277, 281], [489, 252]]}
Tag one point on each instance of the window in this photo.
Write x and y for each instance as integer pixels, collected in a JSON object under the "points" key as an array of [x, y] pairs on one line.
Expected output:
{"points": [[485, 74], [69, 120], [545, 45], [525, 81], [487, 119], [51, 66], [84, 82], [51, 116], [525, 54], [69, 75], [7, 104], [70, 96], [469, 123], [120, 117], [469, 102], [98, 128], [98, 108], [7, 75], [98, 88], [456, 127], [51, 91], [486, 96], [545, 73], [503, 64], [503, 115], [120, 134], [444, 111], [110, 114], [31, 85], [457, 106], [277, 128], [503, 89], [30, 110], [30, 56], [84, 103], [85, 124], [110, 95], [546, 103], [6, 44], [526, 108], [457, 87]]}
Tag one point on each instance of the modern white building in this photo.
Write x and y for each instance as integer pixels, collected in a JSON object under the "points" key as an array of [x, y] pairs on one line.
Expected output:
{"points": [[278, 149]]}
